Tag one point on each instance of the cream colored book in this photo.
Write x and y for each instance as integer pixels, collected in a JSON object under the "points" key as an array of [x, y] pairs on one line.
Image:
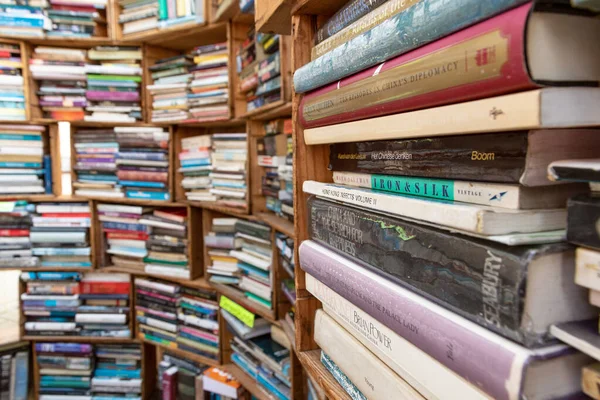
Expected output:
{"points": [[587, 268]]}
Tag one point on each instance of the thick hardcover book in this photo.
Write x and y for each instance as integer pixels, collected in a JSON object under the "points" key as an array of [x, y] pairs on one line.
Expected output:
{"points": [[575, 171], [352, 11], [383, 41], [582, 216], [511, 157], [497, 366], [491, 58]]}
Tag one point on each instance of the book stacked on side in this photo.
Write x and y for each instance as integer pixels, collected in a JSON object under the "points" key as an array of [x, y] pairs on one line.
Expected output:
{"points": [[118, 371], [14, 370], [285, 245], [15, 230], [114, 84], [268, 89], [60, 73], [65, 370], [198, 330], [275, 155], [12, 93], [179, 377], [24, 20], [220, 242], [77, 19], [169, 91], [442, 239], [143, 162], [60, 235], [105, 308], [247, 65], [25, 166], [50, 303], [156, 310], [195, 166], [229, 160], [208, 99], [167, 243], [95, 153], [220, 385], [138, 15]]}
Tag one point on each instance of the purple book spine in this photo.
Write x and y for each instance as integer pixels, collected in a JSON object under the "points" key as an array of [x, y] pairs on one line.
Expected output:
{"points": [[46, 103], [481, 357], [112, 96]]}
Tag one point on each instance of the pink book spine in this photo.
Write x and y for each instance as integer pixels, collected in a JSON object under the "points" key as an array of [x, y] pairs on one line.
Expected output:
{"points": [[112, 96], [156, 295]]}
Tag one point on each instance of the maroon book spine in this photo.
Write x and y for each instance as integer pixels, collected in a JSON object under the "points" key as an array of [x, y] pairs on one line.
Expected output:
{"points": [[126, 175]]}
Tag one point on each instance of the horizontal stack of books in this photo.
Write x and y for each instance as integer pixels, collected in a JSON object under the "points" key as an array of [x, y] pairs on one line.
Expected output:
{"points": [[14, 364], [25, 165], [178, 376], [77, 19], [114, 84], [156, 311], [138, 15], [220, 241], [195, 166], [60, 73], [15, 230], [60, 235], [12, 93], [437, 222], [229, 160], [221, 385], [169, 91], [198, 330], [17, 19], [65, 369], [208, 97], [117, 371]]}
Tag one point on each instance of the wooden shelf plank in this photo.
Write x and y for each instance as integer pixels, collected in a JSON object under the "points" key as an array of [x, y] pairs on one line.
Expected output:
{"points": [[277, 223], [182, 353], [311, 361], [214, 124], [269, 110], [282, 111], [213, 206], [198, 283], [184, 37], [239, 298], [231, 11], [248, 382], [318, 7], [273, 16], [71, 42]]}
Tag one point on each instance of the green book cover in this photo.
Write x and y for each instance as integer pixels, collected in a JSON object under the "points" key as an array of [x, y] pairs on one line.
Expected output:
{"points": [[162, 9], [258, 299], [114, 78], [164, 262]]}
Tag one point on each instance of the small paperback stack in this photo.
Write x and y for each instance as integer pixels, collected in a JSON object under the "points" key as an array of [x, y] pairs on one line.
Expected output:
{"points": [[25, 20], [60, 235], [229, 164], [77, 19], [12, 93], [65, 369], [143, 162], [15, 230], [268, 88], [208, 99], [220, 242], [14, 364], [221, 385], [62, 81], [170, 89], [117, 372], [25, 167], [195, 165], [198, 330], [50, 303], [138, 15], [105, 308], [95, 153], [114, 84], [167, 254], [156, 311], [178, 376]]}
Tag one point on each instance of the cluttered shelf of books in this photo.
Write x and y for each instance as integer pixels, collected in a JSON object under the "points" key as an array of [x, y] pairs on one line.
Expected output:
{"points": [[435, 176]]}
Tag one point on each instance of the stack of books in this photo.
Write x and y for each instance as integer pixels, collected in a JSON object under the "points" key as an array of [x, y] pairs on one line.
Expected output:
{"points": [[438, 221], [208, 99], [60, 73], [229, 165], [95, 168], [25, 166], [138, 15], [60, 235], [156, 311], [143, 162], [65, 369], [117, 371], [179, 376], [198, 330], [268, 89], [195, 166], [12, 93], [220, 241], [25, 20], [247, 66], [114, 84], [167, 242], [77, 19], [221, 385], [15, 230], [169, 91], [14, 363], [285, 247], [182, 12], [105, 305]]}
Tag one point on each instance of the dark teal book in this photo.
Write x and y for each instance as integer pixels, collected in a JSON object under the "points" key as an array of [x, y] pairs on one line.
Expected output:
{"points": [[47, 174], [341, 378]]}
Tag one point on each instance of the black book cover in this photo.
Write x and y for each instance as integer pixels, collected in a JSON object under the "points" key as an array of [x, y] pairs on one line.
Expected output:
{"points": [[583, 220]]}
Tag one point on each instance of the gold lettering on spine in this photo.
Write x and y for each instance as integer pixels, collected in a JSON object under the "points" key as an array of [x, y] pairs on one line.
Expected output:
{"points": [[473, 60]]}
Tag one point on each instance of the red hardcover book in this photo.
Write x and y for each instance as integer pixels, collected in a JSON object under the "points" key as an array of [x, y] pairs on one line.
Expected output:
{"points": [[70, 7], [172, 214], [14, 232], [105, 287], [66, 215], [169, 384], [118, 234], [495, 57], [126, 175]]}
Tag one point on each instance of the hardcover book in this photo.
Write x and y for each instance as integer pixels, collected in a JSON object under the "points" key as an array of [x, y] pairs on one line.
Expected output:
{"points": [[582, 216]]}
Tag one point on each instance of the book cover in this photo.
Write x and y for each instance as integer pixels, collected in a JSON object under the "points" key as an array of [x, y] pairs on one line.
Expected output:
{"points": [[582, 213]]}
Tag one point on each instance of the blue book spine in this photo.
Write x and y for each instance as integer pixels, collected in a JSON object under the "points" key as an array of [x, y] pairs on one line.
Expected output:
{"points": [[196, 162], [147, 195], [142, 184], [126, 227], [86, 251], [250, 269], [240, 362], [11, 164], [198, 309], [21, 22], [271, 388], [21, 375], [48, 174], [88, 177], [342, 379], [50, 303], [197, 339], [66, 264], [51, 276], [424, 22], [142, 156], [113, 373]]}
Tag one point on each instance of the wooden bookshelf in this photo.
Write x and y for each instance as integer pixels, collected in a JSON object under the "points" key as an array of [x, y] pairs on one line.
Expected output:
{"points": [[228, 10], [317, 7], [248, 382], [273, 16]]}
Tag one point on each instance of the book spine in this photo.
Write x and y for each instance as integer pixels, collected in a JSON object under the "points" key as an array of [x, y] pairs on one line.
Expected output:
{"points": [[105, 287], [128, 175], [381, 43], [163, 12], [5, 376], [147, 195], [22, 375], [582, 213], [467, 349], [484, 60], [487, 157], [341, 378]]}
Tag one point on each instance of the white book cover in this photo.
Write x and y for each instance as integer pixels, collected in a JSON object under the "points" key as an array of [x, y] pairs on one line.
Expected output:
{"points": [[141, 244], [22, 143], [26, 151], [168, 271], [108, 208], [156, 323], [163, 287], [101, 318], [252, 260], [199, 322], [62, 208], [22, 189], [50, 326], [105, 277], [587, 268]]}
